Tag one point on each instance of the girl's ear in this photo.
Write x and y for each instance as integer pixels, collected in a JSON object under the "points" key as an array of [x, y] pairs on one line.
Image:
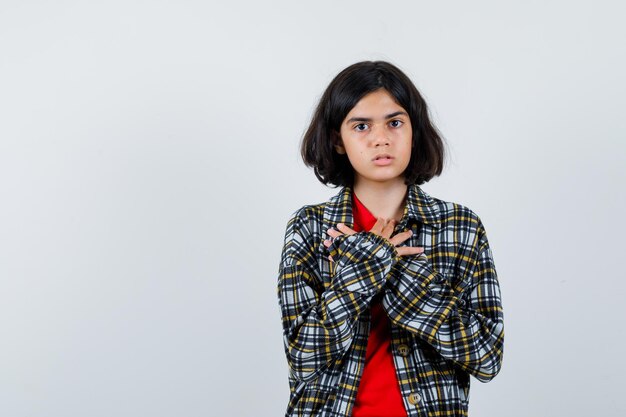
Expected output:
{"points": [[338, 143], [340, 149]]}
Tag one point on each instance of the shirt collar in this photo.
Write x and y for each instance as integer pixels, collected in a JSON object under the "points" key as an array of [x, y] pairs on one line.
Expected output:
{"points": [[421, 207]]}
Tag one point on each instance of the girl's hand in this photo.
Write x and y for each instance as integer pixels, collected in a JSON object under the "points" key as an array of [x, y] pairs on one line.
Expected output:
{"points": [[383, 228]]}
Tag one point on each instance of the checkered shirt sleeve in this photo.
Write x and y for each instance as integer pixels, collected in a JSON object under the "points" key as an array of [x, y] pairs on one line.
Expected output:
{"points": [[318, 323], [463, 321]]}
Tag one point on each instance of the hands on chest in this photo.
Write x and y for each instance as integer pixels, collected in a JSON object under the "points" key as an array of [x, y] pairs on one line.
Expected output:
{"points": [[383, 228]]}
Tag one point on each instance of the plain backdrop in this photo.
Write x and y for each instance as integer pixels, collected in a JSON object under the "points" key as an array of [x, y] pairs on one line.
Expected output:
{"points": [[149, 162]]}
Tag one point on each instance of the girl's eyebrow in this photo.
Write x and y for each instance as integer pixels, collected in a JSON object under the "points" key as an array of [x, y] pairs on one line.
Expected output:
{"points": [[368, 119]]}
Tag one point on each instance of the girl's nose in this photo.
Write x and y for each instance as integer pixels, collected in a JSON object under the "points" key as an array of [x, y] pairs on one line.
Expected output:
{"points": [[379, 135]]}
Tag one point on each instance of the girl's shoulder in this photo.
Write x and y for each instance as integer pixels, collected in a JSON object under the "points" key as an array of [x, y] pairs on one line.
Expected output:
{"points": [[314, 212], [453, 211], [439, 211], [309, 216], [458, 223]]}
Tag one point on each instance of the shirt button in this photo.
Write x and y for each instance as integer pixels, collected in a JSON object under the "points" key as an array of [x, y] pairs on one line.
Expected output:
{"points": [[403, 350], [415, 398]]}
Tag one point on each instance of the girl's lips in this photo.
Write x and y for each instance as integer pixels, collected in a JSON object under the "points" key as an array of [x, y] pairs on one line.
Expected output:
{"points": [[383, 161]]}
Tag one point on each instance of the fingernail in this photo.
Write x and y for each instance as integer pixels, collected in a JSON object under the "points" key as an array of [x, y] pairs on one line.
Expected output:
{"points": [[339, 224]]}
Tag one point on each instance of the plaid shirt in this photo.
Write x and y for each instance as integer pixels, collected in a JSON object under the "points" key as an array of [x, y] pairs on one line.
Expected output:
{"points": [[444, 306]]}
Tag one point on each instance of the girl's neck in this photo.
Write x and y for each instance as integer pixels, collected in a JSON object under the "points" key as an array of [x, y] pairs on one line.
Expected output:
{"points": [[385, 200]]}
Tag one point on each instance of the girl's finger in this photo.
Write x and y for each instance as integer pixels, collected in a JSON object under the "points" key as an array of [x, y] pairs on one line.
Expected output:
{"points": [[409, 250], [381, 227], [345, 229], [401, 237], [378, 226], [388, 228], [333, 233]]}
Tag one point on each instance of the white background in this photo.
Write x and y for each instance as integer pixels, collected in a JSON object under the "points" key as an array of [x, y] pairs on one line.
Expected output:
{"points": [[149, 162]]}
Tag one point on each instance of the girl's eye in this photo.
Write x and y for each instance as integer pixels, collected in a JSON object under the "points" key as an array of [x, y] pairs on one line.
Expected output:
{"points": [[360, 127], [396, 123]]}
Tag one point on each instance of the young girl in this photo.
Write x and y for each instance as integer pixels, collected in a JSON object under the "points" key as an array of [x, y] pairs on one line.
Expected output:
{"points": [[389, 297]]}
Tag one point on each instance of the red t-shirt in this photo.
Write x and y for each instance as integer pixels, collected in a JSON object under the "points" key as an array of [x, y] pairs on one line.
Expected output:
{"points": [[379, 393]]}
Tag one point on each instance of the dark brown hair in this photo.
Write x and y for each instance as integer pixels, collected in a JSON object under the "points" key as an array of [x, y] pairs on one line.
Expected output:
{"points": [[343, 93]]}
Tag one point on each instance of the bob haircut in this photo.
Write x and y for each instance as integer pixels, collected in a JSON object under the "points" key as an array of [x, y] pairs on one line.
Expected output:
{"points": [[343, 93]]}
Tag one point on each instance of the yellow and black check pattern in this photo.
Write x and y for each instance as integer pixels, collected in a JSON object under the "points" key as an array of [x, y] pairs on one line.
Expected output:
{"points": [[444, 306]]}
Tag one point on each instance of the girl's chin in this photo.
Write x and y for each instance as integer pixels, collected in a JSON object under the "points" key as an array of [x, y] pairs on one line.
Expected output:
{"points": [[380, 178]]}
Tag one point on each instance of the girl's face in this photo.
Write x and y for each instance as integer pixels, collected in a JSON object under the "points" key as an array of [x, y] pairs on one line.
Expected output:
{"points": [[377, 136]]}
